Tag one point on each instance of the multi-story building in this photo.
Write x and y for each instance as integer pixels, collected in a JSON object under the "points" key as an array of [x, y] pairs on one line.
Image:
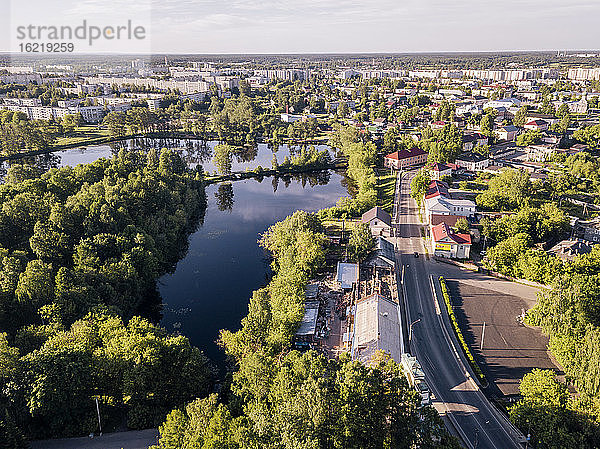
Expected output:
{"points": [[472, 161], [402, 159]]}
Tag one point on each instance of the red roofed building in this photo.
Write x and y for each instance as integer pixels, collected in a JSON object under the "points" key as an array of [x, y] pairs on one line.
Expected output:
{"points": [[445, 243], [436, 188], [450, 220], [405, 158], [540, 125], [439, 170]]}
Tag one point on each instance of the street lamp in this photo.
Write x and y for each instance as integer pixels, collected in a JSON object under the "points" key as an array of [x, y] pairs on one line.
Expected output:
{"points": [[410, 328]]}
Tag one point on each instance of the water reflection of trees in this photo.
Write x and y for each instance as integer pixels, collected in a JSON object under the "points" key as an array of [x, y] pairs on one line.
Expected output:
{"points": [[319, 178], [193, 152], [42, 163], [224, 196], [246, 154]]}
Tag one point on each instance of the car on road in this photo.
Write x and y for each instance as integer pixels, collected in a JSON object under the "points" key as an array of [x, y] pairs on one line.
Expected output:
{"points": [[416, 254]]}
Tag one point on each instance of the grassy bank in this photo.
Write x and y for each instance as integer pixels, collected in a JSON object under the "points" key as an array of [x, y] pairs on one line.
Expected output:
{"points": [[386, 187]]}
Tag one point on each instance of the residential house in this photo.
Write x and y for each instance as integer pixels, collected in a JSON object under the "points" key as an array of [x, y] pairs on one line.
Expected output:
{"points": [[402, 159], [569, 249], [437, 188], [539, 125], [472, 161], [549, 118], [440, 205], [384, 255], [450, 220], [508, 132], [469, 108], [473, 140], [447, 244], [379, 221], [438, 170]]}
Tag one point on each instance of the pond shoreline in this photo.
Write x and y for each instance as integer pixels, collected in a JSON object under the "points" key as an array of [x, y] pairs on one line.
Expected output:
{"points": [[156, 135]]}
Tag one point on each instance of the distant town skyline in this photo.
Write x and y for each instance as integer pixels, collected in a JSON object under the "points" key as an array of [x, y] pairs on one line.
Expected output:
{"points": [[328, 26]]}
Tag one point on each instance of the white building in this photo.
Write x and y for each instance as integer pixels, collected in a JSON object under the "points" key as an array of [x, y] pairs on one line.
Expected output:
{"points": [[379, 221], [440, 205], [445, 243], [472, 161]]}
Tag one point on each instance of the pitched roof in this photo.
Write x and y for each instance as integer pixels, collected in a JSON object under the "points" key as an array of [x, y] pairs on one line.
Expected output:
{"points": [[384, 254], [509, 128], [450, 220], [442, 231], [436, 188], [376, 327], [308, 325], [568, 249], [405, 154], [470, 157], [537, 122], [377, 212], [471, 137], [439, 167]]}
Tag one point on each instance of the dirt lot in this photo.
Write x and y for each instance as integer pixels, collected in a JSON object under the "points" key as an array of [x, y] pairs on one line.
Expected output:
{"points": [[510, 350]]}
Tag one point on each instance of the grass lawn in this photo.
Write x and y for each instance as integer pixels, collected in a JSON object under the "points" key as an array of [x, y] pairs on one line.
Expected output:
{"points": [[386, 187], [335, 226], [82, 135]]}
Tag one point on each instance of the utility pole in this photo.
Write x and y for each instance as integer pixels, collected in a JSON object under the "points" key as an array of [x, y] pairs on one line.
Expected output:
{"points": [[482, 337], [98, 411]]}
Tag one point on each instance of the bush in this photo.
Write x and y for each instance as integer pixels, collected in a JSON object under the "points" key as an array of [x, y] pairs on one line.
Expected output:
{"points": [[458, 332]]}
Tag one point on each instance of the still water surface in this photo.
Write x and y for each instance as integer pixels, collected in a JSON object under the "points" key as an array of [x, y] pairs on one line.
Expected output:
{"points": [[211, 286]]}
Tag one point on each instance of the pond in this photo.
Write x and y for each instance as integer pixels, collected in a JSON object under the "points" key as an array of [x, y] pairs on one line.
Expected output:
{"points": [[193, 151], [211, 286], [213, 283]]}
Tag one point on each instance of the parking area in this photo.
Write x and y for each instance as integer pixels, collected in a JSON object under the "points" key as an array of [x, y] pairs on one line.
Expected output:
{"points": [[510, 349]]}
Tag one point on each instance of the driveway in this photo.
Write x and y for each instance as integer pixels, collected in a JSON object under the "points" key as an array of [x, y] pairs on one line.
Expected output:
{"points": [[138, 439]]}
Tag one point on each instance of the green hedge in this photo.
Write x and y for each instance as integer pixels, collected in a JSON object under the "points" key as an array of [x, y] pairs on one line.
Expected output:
{"points": [[458, 332]]}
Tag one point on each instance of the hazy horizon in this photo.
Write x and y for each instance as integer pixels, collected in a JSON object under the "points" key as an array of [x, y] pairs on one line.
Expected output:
{"points": [[267, 27]]}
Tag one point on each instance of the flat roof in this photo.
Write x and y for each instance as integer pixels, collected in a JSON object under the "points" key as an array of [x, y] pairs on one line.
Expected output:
{"points": [[347, 274], [312, 291], [308, 325], [376, 327]]}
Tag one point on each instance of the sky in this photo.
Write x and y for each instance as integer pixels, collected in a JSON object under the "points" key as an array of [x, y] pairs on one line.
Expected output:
{"points": [[327, 26]]}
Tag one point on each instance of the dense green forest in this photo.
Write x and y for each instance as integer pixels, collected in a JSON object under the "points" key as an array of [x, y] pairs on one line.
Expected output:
{"points": [[81, 249]]}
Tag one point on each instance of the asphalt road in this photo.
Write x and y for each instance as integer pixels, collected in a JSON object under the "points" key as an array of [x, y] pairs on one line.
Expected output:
{"points": [[457, 395], [136, 439]]}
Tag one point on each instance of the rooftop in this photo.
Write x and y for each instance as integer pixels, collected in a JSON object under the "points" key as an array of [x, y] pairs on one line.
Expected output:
{"points": [[376, 327], [347, 274], [442, 231], [471, 157], [308, 325], [405, 154], [377, 212]]}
